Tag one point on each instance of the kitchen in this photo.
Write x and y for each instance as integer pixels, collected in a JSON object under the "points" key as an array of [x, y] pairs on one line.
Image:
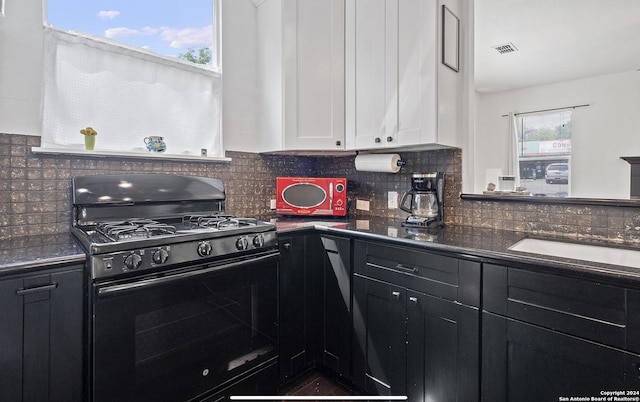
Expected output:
{"points": [[36, 198]]}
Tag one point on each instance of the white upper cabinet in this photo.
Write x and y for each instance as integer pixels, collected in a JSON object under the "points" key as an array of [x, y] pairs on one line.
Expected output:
{"points": [[398, 93], [301, 73]]}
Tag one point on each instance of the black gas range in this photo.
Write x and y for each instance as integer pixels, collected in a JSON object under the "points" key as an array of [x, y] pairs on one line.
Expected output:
{"points": [[134, 224], [183, 296]]}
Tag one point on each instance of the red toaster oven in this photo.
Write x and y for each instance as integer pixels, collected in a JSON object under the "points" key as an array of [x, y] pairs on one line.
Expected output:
{"points": [[325, 196]]}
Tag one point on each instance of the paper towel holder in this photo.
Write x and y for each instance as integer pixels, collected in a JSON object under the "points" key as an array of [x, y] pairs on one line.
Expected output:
{"points": [[375, 162]]}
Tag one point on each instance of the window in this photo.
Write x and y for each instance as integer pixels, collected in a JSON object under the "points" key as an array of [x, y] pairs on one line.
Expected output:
{"points": [[127, 93], [167, 28], [544, 152]]}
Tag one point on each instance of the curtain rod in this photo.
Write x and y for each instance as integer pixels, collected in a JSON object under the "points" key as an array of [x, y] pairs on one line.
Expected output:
{"points": [[548, 110]]}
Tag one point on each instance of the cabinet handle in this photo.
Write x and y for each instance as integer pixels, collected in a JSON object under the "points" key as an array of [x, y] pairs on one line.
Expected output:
{"points": [[338, 143], [395, 295], [412, 270], [389, 139], [287, 246], [377, 140], [413, 299], [45, 288]]}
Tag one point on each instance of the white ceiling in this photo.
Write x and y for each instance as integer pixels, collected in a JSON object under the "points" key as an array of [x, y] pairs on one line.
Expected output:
{"points": [[557, 40]]}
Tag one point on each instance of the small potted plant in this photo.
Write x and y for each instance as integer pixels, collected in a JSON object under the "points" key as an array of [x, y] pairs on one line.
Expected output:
{"points": [[89, 138]]}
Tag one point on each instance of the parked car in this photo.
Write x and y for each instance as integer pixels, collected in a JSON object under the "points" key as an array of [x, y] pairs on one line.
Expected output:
{"points": [[557, 173]]}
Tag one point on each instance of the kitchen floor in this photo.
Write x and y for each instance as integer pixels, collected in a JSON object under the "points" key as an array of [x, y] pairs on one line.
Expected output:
{"points": [[315, 383]]}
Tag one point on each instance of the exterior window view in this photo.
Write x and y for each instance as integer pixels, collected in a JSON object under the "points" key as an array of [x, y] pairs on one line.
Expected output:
{"points": [[544, 153], [185, 32]]}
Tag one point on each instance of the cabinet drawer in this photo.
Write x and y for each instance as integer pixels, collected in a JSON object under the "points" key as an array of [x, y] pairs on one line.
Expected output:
{"points": [[445, 277], [583, 308]]}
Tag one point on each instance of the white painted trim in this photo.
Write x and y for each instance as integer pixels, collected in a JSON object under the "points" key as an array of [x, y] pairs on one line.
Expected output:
{"points": [[125, 154]]}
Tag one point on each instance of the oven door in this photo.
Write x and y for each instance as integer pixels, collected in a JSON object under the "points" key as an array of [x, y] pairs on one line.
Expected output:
{"points": [[177, 336]]}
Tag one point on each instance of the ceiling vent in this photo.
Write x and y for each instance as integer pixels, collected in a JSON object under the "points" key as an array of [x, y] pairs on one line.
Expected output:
{"points": [[506, 48]]}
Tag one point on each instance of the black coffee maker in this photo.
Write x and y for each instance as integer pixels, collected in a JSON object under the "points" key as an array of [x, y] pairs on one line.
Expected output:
{"points": [[425, 200]]}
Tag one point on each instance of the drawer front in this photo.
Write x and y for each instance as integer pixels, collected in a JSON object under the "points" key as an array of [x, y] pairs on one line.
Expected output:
{"points": [[577, 307], [433, 274]]}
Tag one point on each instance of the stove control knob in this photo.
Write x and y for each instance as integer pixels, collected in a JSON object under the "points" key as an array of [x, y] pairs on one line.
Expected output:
{"points": [[242, 243], [132, 261], [160, 256], [258, 241], [204, 249]]}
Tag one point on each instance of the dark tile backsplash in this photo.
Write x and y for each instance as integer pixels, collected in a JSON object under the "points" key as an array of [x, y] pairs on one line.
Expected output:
{"points": [[35, 191]]}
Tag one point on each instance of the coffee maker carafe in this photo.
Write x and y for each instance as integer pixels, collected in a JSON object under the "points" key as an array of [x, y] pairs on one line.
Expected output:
{"points": [[424, 201]]}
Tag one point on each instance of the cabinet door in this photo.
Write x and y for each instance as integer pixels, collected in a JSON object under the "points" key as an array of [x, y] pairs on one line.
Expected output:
{"points": [[10, 341], [66, 314], [292, 299], [337, 305], [313, 74], [366, 58], [41, 338], [442, 350], [416, 82], [523, 362], [379, 364], [391, 82]]}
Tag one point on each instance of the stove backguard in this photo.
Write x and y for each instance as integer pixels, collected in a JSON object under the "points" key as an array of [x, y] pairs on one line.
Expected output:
{"points": [[147, 195]]}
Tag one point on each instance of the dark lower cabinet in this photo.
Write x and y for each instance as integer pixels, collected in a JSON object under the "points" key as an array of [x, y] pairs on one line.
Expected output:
{"points": [[41, 336], [528, 363], [442, 350], [315, 304], [413, 344], [413, 333], [379, 325], [294, 306], [546, 337], [335, 254]]}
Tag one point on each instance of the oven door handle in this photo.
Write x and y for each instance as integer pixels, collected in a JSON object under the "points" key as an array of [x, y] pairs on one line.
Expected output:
{"points": [[112, 290]]}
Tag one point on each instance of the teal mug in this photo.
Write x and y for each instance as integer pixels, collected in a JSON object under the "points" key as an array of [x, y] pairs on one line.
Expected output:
{"points": [[155, 144]]}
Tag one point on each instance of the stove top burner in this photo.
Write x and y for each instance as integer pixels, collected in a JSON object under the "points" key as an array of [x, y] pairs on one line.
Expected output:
{"points": [[218, 221], [134, 229]]}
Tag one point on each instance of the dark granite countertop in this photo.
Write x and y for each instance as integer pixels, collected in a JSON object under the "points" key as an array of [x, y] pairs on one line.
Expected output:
{"points": [[485, 245], [34, 253]]}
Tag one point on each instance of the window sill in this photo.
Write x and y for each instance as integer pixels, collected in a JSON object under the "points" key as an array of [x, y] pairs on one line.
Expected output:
{"points": [[125, 154]]}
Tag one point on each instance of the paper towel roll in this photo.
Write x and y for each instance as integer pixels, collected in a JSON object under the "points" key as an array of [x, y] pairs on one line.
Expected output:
{"points": [[385, 163]]}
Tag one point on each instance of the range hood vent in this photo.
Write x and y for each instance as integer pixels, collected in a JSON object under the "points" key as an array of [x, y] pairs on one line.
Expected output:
{"points": [[506, 48]]}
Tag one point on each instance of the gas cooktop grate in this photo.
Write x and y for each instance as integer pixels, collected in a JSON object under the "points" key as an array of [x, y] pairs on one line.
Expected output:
{"points": [[218, 221], [134, 229]]}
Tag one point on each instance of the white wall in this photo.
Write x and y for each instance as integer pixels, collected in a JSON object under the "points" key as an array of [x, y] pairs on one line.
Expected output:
{"points": [[603, 132], [21, 67]]}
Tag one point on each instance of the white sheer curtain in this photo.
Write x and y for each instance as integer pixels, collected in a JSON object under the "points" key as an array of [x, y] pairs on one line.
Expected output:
{"points": [[513, 164], [126, 95]]}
